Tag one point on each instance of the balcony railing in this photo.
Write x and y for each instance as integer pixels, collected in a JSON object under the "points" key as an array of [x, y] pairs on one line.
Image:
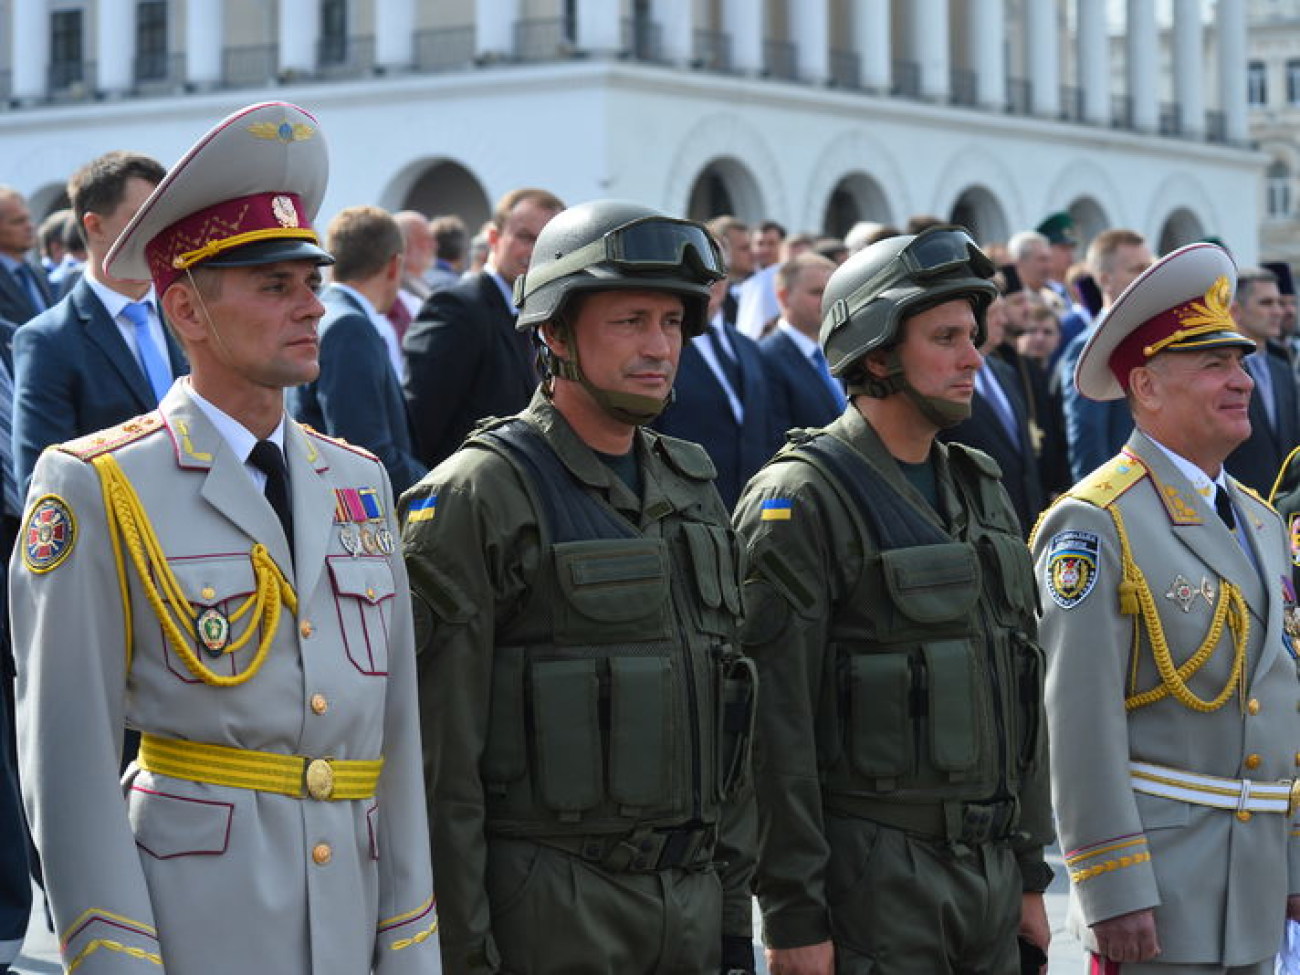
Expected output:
{"points": [[712, 51], [444, 50], [1020, 96], [779, 60], [1121, 112], [642, 39], [249, 67], [907, 79], [1071, 104], [345, 57], [1171, 122], [964, 86], [846, 69], [1216, 127], [545, 39]]}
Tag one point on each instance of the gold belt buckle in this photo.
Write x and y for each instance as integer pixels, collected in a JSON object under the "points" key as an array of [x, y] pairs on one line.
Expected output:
{"points": [[1293, 797], [320, 779]]}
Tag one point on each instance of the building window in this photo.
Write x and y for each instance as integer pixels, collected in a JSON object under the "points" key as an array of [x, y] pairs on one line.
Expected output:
{"points": [[1293, 81], [151, 40], [570, 17], [333, 31], [1256, 83], [1278, 190], [65, 48]]}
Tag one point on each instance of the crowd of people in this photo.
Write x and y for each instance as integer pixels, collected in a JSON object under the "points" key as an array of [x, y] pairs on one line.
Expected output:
{"points": [[528, 602]]}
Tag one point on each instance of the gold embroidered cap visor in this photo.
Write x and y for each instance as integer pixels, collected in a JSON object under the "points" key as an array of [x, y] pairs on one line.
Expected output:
{"points": [[245, 194], [1179, 304]]}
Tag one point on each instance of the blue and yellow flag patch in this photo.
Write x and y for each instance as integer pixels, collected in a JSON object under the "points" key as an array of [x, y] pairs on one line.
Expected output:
{"points": [[777, 509], [422, 509]]}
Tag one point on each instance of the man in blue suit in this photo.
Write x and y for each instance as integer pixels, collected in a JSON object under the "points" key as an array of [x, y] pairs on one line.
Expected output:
{"points": [[24, 288], [804, 394], [722, 402], [358, 395], [101, 355]]}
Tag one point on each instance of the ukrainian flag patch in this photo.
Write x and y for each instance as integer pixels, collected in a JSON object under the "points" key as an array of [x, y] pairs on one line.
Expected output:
{"points": [[423, 509], [777, 509]]}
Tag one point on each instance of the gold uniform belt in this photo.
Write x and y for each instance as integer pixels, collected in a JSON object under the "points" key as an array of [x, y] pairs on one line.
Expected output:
{"points": [[240, 768]]}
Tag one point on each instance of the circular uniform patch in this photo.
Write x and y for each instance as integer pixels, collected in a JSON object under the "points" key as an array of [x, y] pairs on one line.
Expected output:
{"points": [[1072, 567], [1293, 532], [49, 535]]}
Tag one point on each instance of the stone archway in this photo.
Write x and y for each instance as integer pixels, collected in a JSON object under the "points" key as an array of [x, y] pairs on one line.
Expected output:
{"points": [[854, 198], [725, 186], [1089, 219], [446, 187], [1179, 228], [979, 211]]}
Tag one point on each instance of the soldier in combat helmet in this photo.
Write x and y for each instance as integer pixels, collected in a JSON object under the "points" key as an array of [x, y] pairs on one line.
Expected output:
{"points": [[577, 586], [900, 766]]}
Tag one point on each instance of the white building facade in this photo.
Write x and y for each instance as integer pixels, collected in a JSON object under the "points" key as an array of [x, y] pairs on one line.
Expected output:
{"points": [[1273, 96], [816, 113]]}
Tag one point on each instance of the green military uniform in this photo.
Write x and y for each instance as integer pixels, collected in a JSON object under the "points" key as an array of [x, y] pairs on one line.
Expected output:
{"points": [[900, 762], [579, 751]]}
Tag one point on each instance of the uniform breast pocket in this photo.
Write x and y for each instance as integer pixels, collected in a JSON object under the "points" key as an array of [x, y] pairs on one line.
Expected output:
{"points": [[363, 596], [167, 825], [224, 633]]}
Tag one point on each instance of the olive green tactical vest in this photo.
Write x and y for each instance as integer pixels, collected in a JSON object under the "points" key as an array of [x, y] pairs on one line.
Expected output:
{"points": [[612, 688], [936, 689]]}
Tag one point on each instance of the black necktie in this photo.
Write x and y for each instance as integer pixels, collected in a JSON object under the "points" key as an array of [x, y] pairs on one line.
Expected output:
{"points": [[1223, 505], [269, 459]]}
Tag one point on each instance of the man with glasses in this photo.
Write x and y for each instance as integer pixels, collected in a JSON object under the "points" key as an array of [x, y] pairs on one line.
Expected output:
{"points": [[585, 710], [900, 767]]}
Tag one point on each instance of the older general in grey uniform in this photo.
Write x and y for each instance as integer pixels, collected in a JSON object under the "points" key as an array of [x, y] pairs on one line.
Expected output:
{"points": [[256, 633], [1172, 693]]}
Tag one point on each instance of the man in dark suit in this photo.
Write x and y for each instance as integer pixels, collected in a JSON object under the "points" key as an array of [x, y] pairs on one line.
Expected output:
{"points": [[804, 394], [722, 401], [464, 359], [1274, 414], [358, 395], [999, 425], [101, 355], [24, 288]]}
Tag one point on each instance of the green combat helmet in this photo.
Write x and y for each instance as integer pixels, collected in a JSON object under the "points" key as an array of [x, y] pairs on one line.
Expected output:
{"points": [[869, 296], [608, 245]]}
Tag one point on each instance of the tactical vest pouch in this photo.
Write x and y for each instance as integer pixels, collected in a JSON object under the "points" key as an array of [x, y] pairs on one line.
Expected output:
{"points": [[737, 687], [566, 696], [932, 584], [1007, 559], [641, 731], [951, 681], [880, 732], [717, 577], [614, 591]]}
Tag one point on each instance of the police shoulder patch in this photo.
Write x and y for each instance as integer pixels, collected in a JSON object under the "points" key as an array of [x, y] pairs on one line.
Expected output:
{"points": [[49, 535], [1072, 566]]}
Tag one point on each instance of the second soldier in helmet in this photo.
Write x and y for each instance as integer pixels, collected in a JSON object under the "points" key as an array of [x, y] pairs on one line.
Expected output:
{"points": [[586, 712]]}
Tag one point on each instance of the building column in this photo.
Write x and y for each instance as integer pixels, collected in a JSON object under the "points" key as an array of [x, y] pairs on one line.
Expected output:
{"points": [[1143, 46], [742, 20], [115, 47], [1093, 55], [30, 51], [987, 53], [494, 28], [1042, 56], [676, 22], [394, 34], [1230, 17], [599, 27], [1189, 88], [810, 29], [927, 39], [204, 40], [299, 36], [871, 43]]}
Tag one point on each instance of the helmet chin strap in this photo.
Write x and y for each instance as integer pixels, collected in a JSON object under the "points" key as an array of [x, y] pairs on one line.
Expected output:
{"points": [[628, 408], [941, 412]]}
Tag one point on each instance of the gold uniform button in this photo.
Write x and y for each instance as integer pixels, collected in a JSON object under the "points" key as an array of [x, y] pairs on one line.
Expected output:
{"points": [[305, 628], [1253, 706], [370, 594], [209, 592], [1252, 761], [318, 704], [1244, 815], [1297, 758], [321, 853]]}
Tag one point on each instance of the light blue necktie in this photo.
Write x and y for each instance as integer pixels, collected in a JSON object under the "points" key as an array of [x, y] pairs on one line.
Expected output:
{"points": [[824, 370], [155, 366], [1257, 364]]}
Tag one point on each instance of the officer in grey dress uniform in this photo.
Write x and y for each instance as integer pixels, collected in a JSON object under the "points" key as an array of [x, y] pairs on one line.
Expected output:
{"points": [[226, 582]]}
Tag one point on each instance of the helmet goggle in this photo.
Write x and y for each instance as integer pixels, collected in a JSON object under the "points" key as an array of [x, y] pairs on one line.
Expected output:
{"points": [[931, 255], [648, 244]]}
